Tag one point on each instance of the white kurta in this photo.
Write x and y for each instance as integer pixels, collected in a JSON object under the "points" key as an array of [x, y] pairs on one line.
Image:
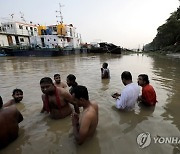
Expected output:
{"points": [[129, 96]]}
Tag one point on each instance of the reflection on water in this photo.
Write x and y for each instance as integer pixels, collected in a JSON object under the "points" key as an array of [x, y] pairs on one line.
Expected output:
{"points": [[117, 131]]}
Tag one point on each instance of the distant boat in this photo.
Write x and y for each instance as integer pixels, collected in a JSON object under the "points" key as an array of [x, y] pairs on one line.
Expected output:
{"points": [[105, 47]]}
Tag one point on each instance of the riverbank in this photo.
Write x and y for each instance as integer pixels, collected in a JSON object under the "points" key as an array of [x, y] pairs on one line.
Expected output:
{"points": [[167, 50]]}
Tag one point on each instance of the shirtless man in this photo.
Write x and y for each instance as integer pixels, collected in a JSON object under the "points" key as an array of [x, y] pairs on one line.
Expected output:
{"points": [[9, 119], [17, 97], [85, 125], [71, 81], [55, 99], [58, 82]]}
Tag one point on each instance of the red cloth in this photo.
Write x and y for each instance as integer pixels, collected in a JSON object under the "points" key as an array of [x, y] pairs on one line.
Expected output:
{"points": [[149, 95], [46, 103]]}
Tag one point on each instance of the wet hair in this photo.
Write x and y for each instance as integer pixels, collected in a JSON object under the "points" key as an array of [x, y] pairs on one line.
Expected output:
{"points": [[17, 90], [46, 80], [55, 75], [80, 92], [1, 102], [105, 65], [126, 75], [71, 77], [145, 78]]}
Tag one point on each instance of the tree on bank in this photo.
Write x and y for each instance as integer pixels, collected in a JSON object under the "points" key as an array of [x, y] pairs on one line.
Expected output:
{"points": [[168, 34]]}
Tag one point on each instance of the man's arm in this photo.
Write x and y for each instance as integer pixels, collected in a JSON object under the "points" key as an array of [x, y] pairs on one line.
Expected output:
{"points": [[10, 102], [121, 101], [19, 116], [116, 95], [140, 98], [43, 108], [64, 85], [81, 131], [69, 98]]}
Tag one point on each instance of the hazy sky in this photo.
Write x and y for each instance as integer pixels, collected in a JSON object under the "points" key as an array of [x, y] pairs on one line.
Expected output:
{"points": [[128, 23]]}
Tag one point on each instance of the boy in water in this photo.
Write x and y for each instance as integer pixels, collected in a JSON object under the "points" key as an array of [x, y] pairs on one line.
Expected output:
{"points": [[105, 73]]}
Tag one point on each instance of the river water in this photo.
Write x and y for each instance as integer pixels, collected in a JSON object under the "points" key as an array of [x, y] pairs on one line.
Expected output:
{"points": [[117, 131]]}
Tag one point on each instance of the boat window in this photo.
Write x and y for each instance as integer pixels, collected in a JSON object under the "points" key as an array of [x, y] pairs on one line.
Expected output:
{"points": [[70, 32], [20, 27], [54, 39], [26, 28], [35, 29], [21, 39], [55, 29]]}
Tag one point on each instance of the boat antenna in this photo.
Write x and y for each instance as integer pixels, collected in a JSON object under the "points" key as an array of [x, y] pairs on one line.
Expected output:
{"points": [[60, 13], [12, 15], [22, 16]]}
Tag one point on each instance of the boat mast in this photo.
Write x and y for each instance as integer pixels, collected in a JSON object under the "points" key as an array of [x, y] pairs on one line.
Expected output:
{"points": [[60, 13], [22, 16]]}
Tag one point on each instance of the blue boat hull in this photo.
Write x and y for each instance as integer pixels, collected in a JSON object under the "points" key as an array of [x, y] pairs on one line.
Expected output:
{"points": [[43, 52]]}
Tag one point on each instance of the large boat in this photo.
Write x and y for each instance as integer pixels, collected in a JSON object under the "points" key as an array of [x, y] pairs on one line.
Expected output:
{"points": [[28, 39]]}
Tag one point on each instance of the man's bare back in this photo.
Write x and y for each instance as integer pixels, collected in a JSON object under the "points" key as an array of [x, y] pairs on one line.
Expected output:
{"points": [[9, 119], [90, 114], [84, 125]]}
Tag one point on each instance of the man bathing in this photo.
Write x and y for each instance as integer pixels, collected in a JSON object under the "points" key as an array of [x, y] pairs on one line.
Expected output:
{"points": [[55, 99], [17, 97]]}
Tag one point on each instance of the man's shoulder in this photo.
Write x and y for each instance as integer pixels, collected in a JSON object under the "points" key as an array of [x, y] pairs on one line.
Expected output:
{"points": [[94, 103], [94, 107], [148, 87], [130, 87], [9, 109], [10, 102], [133, 85]]}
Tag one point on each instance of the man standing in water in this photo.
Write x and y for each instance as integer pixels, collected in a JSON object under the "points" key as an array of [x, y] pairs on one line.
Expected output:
{"points": [[58, 82], [9, 119], [71, 82], [129, 95], [85, 126], [55, 99], [148, 96], [17, 97]]}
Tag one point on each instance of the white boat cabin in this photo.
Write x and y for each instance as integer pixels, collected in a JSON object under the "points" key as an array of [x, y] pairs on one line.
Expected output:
{"points": [[16, 33]]}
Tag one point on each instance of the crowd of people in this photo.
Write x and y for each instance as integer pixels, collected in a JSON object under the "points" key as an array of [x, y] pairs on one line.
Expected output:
{"points": [[60, 103]]}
